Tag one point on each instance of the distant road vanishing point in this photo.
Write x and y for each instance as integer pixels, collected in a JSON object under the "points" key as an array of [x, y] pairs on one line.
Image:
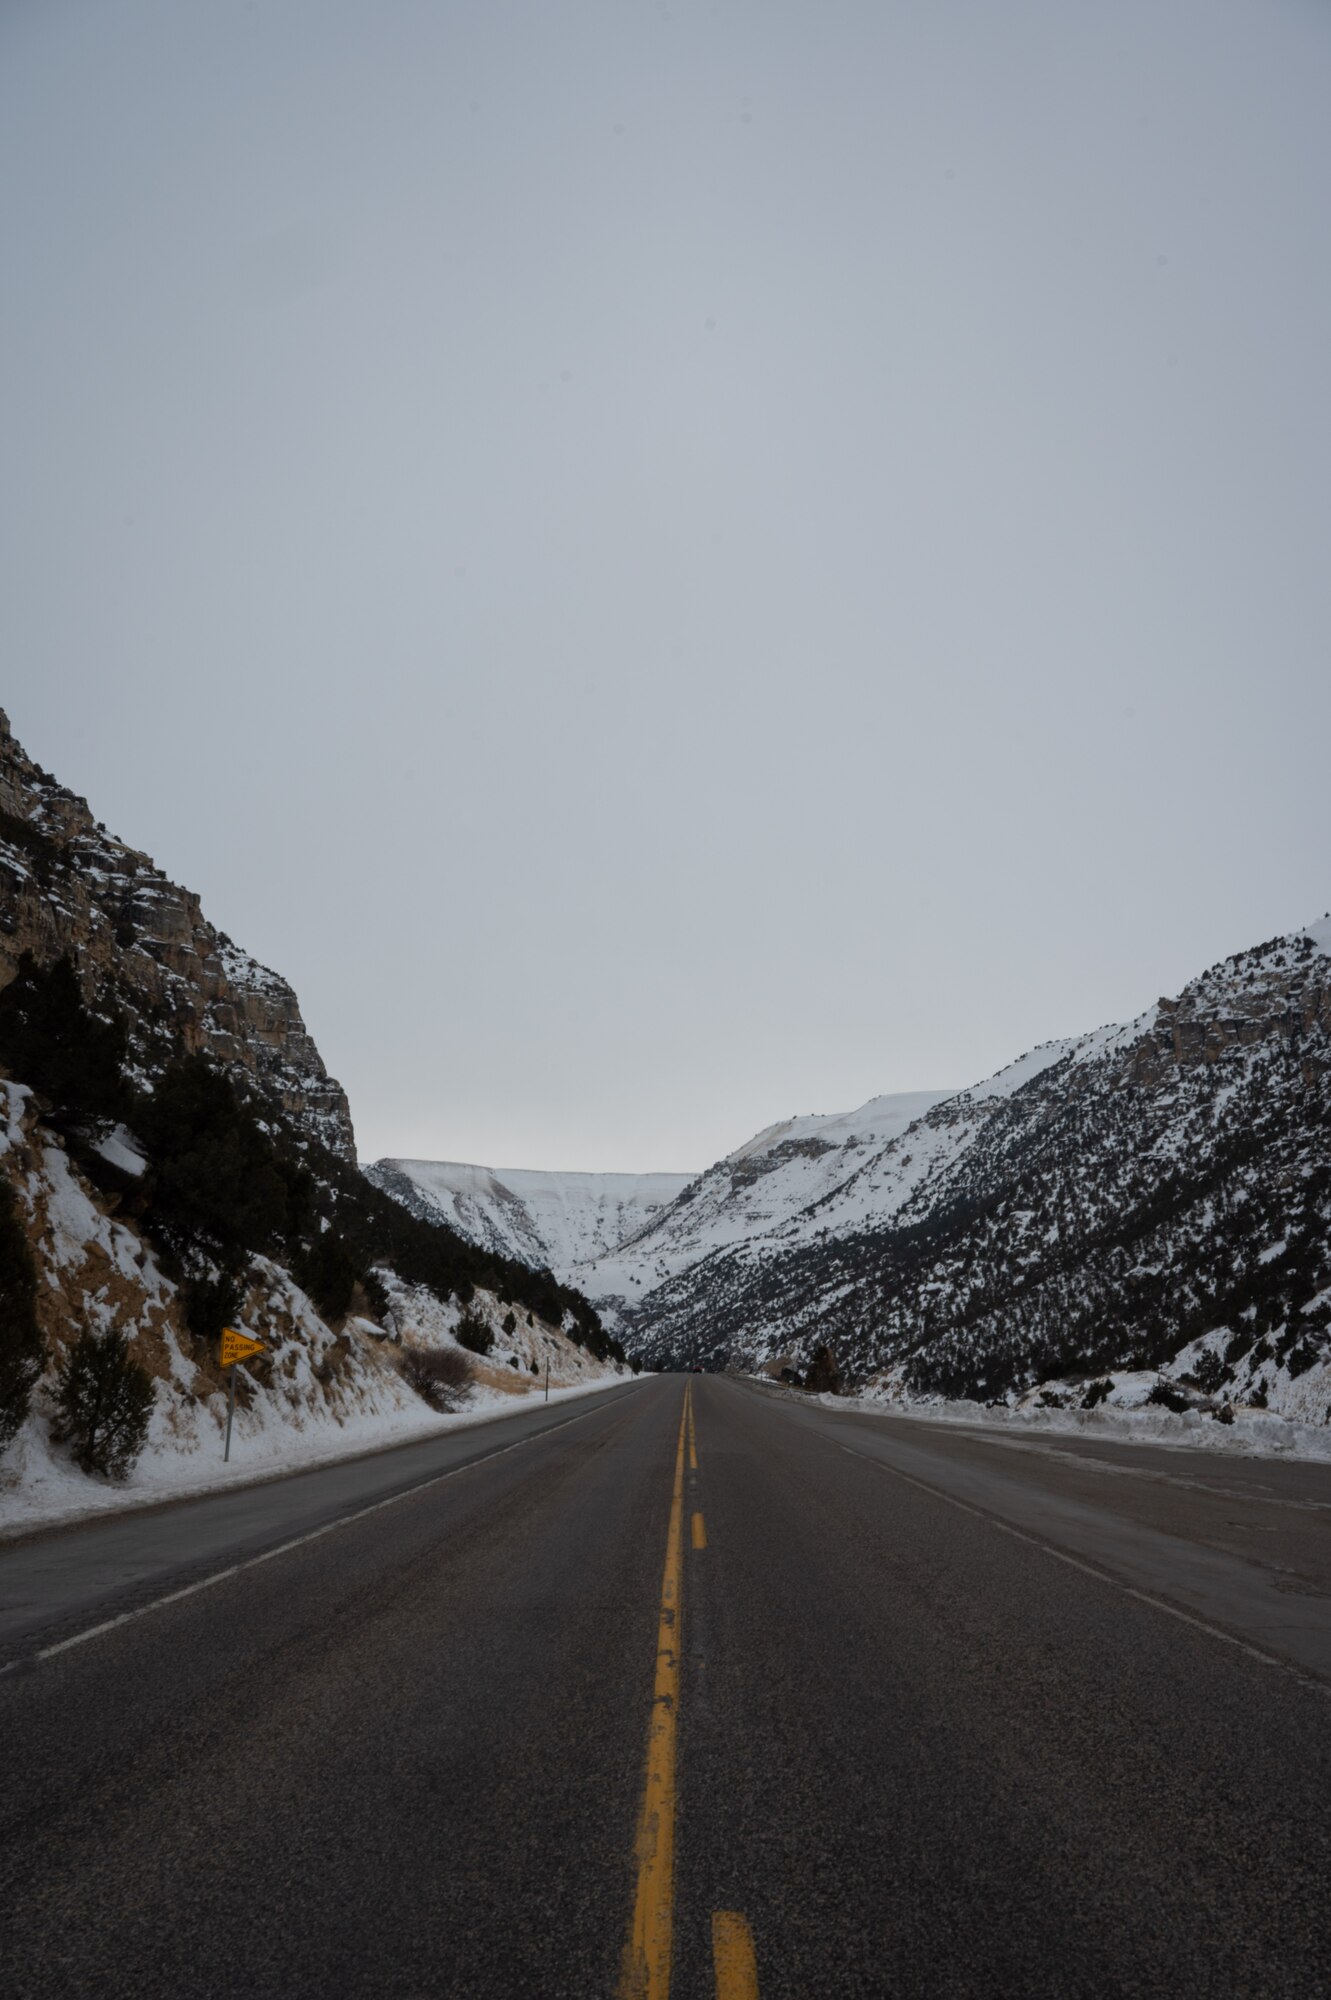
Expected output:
{"points": [[701, 1689]]}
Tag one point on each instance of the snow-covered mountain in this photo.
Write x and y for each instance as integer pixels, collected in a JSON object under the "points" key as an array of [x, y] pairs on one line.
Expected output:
{"points": [[616, 1235], [552, 1220], [759, 1190], [1155, 1197]]}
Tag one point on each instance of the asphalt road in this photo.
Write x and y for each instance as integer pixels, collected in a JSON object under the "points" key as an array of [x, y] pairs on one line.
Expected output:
{"points": [[952, 1714], [60, 1583]]}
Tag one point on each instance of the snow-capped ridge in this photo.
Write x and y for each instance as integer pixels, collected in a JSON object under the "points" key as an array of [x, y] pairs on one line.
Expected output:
{"points": [[872, 1122], [559, 1221]]}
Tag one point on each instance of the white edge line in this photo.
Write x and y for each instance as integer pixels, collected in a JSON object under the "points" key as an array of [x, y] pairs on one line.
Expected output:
{"points": [[283, 1548], [1101, 1575]]}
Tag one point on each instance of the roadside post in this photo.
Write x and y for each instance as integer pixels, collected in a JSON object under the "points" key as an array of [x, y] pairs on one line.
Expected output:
{"points": [[547, 1378], [235, 1347]]}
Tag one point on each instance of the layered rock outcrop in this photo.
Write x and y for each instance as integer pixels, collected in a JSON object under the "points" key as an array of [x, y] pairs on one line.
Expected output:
{"points": [[1280, 991], [142, 944]]}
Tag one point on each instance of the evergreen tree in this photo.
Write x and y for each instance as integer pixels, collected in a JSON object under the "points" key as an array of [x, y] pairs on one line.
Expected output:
{"points": [[105, 1399], [327, 1274], [52, 1041], [217, 1186], [211, 1303], [20, 1337]]}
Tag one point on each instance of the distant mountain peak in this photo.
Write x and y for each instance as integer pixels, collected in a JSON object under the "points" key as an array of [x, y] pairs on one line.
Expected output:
{"points": [[558, 1221]]}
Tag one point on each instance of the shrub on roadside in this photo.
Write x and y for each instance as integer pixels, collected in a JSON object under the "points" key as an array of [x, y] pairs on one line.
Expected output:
{"points": [[105, 1399], [1169, 1398], [439, 1375], [824, 1376], [1096, 1392]]}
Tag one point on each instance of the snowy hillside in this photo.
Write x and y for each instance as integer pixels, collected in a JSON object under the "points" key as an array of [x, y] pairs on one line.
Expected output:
{"points": [[762, 1189], [323, 1386], [553, 1220], [1152, 1200], [616, 1235], [176, 1160]]}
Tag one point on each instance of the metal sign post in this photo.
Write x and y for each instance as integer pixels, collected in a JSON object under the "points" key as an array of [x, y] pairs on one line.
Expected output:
{"points": [[235, 1347]]}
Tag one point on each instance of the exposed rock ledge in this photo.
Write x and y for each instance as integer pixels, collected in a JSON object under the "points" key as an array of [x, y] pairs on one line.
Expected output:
{"points": [[68, 886]]}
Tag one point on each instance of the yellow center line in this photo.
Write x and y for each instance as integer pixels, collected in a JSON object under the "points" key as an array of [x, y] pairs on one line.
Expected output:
{"points": [[693, 1431], [645, 1972], [699, 1532], [733, 1957]]}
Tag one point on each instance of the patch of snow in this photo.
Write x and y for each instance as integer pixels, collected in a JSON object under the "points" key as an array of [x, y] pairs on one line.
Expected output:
{"points": [[1320, 934], [120, 1149], [13, 1098]]}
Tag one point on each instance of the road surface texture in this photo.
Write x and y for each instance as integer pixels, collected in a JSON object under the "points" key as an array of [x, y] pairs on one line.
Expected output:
{"points": [[792, 1700]]}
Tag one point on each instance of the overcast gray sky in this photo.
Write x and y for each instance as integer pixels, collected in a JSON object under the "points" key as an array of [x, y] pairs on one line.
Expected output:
{"points": [[673, 565]]}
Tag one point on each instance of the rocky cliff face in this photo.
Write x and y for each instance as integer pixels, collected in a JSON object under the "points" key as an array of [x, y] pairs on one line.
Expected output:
{"points": [[142, 944]]}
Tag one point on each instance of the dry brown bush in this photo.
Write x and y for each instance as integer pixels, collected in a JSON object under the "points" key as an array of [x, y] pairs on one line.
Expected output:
{"points": [[439, 1375]]}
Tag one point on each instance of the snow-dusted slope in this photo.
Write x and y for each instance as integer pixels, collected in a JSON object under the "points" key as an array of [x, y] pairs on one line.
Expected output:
{"points": [[762, 1189], [874, 1123], [558, 1220], [1148, 1198], [809, 1182], [615, 1235], [317, 1390]]}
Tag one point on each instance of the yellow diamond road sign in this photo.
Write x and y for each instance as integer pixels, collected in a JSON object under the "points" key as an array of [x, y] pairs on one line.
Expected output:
{"points": [[238, 1346]]}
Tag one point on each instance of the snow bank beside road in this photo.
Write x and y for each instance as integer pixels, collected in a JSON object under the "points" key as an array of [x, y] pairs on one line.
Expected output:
{"points": [[1253, 1433], [41, 1488]]}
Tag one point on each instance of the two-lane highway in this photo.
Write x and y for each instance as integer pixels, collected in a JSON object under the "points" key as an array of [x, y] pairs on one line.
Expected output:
{"points": [[697, 1688]]}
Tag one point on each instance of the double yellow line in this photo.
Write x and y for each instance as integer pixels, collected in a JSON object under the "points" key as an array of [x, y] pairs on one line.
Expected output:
{"points": [[645, 1974]]}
